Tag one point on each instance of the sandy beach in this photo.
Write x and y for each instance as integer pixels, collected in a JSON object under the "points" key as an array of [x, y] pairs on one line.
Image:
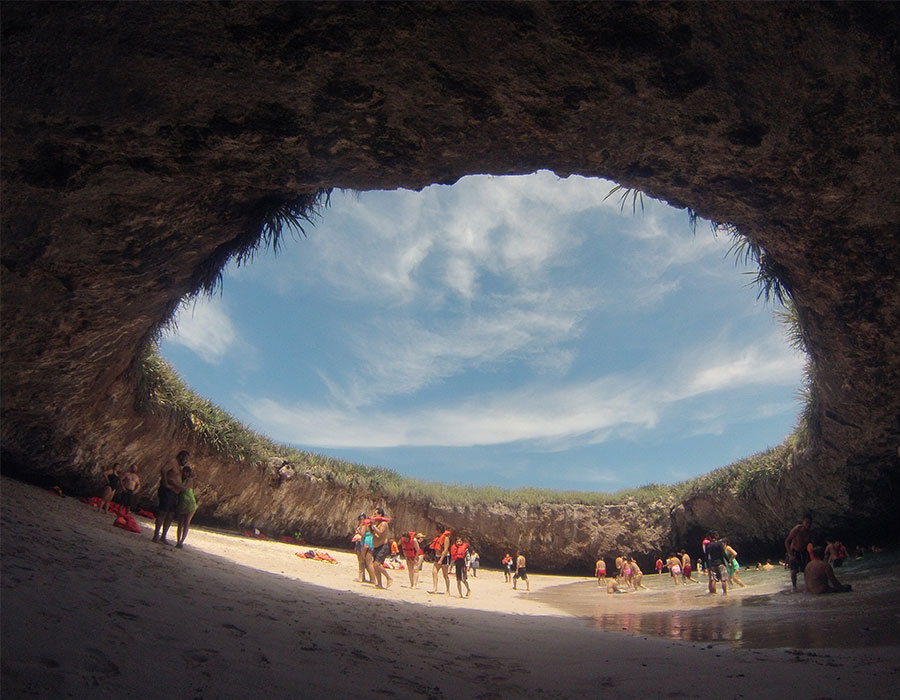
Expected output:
{"points": [[90, 610]]}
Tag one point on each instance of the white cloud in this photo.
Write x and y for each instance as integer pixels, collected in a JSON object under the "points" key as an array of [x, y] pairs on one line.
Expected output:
{"points": [[203, 326]]}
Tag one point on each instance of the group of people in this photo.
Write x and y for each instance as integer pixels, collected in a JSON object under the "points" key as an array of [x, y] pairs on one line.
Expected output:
{"points": [[520, 574], [628, 575], [122, 488], [806, 555], [175, 493], [373, 544], [176, 499]]}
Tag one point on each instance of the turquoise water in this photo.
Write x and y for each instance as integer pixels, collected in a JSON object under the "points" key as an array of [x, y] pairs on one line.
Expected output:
{"points": [[765, 614]]}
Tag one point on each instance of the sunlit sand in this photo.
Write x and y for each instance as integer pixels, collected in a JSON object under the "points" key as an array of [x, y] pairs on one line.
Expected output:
{"points": [[89, 610]]}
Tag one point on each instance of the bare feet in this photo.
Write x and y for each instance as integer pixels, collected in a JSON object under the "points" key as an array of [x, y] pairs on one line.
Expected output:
{"points": [[389, 582]]}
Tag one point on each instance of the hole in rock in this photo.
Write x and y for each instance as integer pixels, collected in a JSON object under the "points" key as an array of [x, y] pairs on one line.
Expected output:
{"points": [[507, 331]]}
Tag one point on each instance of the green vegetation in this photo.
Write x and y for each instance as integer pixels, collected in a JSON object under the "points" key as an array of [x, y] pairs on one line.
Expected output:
{"points": [[164, 393]]}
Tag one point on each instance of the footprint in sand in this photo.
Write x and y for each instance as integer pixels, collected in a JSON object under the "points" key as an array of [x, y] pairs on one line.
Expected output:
{"points": [[237, 631], [98, 663]]}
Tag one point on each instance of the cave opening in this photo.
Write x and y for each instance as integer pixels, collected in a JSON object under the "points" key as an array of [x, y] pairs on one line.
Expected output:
{"points": [[527, 331]]}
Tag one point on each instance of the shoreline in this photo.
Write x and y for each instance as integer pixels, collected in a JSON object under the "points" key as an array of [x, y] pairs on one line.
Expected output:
{"points": [[89, 610]]}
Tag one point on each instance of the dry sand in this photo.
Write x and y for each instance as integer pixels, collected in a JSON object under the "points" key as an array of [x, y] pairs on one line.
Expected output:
{"points": [[89, 610]]}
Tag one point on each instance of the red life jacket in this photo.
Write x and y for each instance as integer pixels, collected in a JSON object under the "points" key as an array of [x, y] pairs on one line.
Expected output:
{"points": [[408, 543], [458, 551]]}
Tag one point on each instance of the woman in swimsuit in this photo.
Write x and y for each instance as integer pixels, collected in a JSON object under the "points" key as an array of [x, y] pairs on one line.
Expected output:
{"points": [[112, 485], [186, 506]]}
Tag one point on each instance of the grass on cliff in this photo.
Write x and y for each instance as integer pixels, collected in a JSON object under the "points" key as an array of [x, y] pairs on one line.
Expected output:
{"points": [[164, 393]]}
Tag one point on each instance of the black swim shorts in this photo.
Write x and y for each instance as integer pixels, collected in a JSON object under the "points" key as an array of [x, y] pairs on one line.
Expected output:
{"points": [[381, 552], [167, 500]]}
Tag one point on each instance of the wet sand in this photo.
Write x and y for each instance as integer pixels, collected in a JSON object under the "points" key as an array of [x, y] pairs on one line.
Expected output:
{"points": [[92, 611], [764, 615]]}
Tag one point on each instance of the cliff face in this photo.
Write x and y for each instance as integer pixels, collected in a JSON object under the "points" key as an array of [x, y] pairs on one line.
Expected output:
{"points": [[142, 143]]}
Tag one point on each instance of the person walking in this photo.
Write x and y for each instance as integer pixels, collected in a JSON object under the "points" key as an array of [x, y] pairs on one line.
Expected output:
{"points": [[440, 545], [458, 555], [381, 547], [411, 552], [521, 573]]}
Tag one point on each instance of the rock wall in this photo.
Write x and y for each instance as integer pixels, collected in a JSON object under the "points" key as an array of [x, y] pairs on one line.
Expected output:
{"points": [[144, 143]]}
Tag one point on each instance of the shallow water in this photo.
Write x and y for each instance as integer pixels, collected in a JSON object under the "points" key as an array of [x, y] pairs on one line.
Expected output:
{"points": [[765, 614]]}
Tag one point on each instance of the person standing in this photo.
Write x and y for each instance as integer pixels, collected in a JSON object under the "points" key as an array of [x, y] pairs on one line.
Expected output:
{"points": [[521, 573], [659, 566], [169, 488], [131, 484], [458, 555], [600, 570], [715, 564], [411, 552], [732, 564], [686, 568], [381, 547], [507, 567], [186, 506], [796, 545], [674, 564], [110, 487], [363, 548], [474, 564], [440, 545]]}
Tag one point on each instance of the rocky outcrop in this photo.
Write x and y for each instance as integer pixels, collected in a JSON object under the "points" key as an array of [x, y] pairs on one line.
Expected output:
{"points": [[145, 143]]}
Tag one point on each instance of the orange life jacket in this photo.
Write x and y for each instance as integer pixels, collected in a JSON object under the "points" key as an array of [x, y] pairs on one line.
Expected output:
{"points": [[437, 544]]}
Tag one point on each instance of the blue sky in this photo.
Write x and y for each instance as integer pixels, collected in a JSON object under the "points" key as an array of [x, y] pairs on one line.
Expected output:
{"points": [[515, 331]]}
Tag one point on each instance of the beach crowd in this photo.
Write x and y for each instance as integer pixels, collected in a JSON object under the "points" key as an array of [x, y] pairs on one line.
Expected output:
{"points": [[378, 552]]}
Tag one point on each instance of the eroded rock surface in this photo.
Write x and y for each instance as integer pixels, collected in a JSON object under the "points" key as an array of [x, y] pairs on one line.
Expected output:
{"points": [[142, 142]]}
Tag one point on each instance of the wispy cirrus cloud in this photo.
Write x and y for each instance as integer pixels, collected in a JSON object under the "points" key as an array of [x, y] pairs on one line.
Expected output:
{"points": [[203, 326], [552, 414]]}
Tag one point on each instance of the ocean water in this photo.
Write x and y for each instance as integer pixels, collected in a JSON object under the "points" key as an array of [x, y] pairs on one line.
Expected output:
{"points": [[765, 614]]}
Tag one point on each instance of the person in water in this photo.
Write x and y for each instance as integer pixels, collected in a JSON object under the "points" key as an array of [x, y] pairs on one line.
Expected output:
{"points": [[110, 487], [674, 564], [797, 545], [819, 577], [715, 564], [600, 571], [636, 575], [731, 563], [169, 488], [686, 568], [185, 507]]}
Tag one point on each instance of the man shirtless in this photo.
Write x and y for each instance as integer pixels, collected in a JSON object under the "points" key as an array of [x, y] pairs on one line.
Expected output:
{"points": [[796, 546], [521, 573], [131, 484], [819, 576], [381, 547], [169, 488]]}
